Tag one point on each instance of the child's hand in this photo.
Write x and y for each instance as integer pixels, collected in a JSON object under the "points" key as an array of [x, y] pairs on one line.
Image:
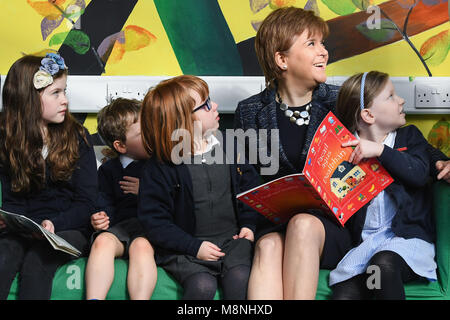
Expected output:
{"points": [[130, 185], [209, 252], [2, 223], [364, 149], [444, 170], [100, 221], [245, 233], [48, 225]]}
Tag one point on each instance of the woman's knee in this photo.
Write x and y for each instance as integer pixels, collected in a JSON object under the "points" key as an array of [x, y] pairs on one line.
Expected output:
{"points": [[269, 245], [305, 227]]}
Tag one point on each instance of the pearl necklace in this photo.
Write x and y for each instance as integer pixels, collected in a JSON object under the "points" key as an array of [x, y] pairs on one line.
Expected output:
{"points": [[298, 117]]}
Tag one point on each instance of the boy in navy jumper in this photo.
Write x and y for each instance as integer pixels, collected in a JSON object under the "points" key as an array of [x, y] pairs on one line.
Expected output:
{"points": [[118, 232]]}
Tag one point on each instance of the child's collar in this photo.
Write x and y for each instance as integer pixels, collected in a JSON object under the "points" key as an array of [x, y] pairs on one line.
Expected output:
{"points": [[125, 160], [211, 142]]}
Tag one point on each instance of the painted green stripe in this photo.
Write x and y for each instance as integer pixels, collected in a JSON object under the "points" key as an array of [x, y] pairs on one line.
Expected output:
{"points": [[200, 37]]}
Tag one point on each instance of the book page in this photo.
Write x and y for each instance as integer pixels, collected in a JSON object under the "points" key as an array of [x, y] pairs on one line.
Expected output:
{"points": [[16, 223]]}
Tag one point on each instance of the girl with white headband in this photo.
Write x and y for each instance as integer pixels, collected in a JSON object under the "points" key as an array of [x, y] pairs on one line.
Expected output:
{"points": [[395, 231]]}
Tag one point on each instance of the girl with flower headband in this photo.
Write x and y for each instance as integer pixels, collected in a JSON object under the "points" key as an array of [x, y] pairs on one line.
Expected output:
{"points": [[395, 231], [46, 167]]}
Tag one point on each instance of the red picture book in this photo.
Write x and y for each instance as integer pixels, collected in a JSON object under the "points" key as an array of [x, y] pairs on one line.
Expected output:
{"points": [[328, 180]]}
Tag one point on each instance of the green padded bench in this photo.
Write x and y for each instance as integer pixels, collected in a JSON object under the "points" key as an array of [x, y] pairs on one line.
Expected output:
{"points": [[422, 290], [68, 283]]}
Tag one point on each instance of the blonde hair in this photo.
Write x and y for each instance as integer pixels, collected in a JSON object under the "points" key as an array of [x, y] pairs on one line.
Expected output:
{"points": [[277, 33], [166, 108]]}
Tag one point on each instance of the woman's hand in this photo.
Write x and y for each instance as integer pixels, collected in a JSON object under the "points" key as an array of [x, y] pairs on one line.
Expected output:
{"points": [[48, 225], [209, 252], [364, 149], [245, 233]]}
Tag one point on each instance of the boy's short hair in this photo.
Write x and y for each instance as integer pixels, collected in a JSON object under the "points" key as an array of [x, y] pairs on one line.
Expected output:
{"points": [[114, 120], [278, 32]]}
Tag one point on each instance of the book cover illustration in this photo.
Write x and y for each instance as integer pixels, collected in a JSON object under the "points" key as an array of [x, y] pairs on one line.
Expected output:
{"points": [[328, 180]]}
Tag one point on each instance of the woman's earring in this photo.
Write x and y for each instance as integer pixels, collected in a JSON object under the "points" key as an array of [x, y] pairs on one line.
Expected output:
{"points": [[285, 67]]}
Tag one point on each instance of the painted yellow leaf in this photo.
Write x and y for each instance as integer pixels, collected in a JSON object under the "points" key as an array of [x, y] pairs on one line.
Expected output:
{"points": [[275, 4], [134, 38], [117, 53], [435, 49], [439, 136], [46, 8], [137, 38]]}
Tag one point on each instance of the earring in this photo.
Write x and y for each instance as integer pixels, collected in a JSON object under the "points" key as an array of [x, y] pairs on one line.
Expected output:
{"points": [[285, 67]]}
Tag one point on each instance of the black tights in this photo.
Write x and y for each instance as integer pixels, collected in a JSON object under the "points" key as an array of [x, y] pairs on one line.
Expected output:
{"points": [[203, 286], [36, 261], [394, 272]]}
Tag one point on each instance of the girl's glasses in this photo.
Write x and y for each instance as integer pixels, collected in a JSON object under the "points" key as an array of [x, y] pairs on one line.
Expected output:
{"points": [[207, 104]]}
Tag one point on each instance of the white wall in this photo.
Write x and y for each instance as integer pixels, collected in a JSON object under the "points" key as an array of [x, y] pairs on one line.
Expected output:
{"points": [[91, 93]]}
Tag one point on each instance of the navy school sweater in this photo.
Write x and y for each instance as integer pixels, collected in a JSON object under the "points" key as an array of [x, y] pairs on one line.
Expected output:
{"points": [[67, 204], [166, 204], [117, 205], [409, 164]]}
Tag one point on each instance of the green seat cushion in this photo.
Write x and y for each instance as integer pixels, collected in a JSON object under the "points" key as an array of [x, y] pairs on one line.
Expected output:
{"points": [[68, 283]]}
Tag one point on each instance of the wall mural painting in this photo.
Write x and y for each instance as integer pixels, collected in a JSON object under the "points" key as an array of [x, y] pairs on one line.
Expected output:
{"points": [[439, 136], [353, 33], [87, 38], [216, 37], [206, 37]]}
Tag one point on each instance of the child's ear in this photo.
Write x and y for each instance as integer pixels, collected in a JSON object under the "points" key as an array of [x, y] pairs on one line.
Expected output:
{"points": [[120, 146], [367, 116]]}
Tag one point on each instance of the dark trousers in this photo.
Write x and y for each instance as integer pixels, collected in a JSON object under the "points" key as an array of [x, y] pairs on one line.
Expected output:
{"points": [[36, 261]]}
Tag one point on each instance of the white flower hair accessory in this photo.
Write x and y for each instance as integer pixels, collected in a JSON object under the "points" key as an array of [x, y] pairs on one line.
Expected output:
{"points": [[50, 65]]}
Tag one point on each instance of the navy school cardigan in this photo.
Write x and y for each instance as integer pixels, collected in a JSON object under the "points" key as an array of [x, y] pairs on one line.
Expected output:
{"points": [[118, 205], [166, 205], [67, 204], [408, 163]]}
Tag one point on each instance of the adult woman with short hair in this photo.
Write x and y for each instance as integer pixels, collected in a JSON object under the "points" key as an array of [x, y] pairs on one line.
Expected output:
{"points": [[290, 49]]}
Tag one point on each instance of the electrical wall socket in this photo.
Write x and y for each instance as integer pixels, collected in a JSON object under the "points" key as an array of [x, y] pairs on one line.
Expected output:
{"points": [[432, 95], [125, 90], [129, 87]]}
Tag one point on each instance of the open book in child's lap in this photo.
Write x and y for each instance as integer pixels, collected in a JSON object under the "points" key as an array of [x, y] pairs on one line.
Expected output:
{"points": [[19, 224], [328, 180]]}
